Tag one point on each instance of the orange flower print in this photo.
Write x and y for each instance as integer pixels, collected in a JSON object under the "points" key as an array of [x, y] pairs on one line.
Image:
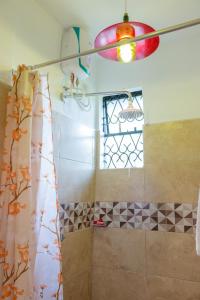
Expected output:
{"points": [[17, 104], [13, 186], [24, 252], [14, 291], [25, 173], [6, 291], [6, 167], [14, 208], [16, 134], [13, 174], [15, 115], [3, 251], [17, 201], [14, 77], [27, 104], [9, 176], [19, 292], [11, 98], [23, 130]]}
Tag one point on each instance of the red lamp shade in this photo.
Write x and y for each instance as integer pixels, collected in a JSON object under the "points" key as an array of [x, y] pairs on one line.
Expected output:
{"points": [[116, 32]]}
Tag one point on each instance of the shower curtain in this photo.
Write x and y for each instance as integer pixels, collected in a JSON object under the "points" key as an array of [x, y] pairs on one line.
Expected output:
{"points": [[30, 259]]}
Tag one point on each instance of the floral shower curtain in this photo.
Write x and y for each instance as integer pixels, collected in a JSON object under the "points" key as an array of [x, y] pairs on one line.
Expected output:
{"points": [[30, 259]]}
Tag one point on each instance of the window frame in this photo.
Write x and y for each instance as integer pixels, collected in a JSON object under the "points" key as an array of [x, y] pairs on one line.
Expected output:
{"points": [[105, 126], [106, 99]]}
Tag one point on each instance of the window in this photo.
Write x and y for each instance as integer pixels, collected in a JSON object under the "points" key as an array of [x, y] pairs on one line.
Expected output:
{"points": [[122, 140]]}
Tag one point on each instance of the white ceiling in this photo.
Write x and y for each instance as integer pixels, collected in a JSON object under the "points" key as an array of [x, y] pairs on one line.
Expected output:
{"points": [[98, 14]]}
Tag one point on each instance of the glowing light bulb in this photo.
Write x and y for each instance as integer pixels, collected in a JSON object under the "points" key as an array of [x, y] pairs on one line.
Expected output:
{"points": [[126, 53]]}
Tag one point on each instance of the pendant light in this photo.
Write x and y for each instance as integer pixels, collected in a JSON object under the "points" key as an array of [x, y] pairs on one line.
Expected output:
{"points": [[126, 53], [126, 30]]}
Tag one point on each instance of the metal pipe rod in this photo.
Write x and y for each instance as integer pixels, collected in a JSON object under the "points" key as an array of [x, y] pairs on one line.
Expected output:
{"points": [[107, 93], [99, 93], [122, 42]]}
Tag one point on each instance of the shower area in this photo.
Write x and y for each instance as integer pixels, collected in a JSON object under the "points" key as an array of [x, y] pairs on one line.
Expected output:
{"points": [[126, 149]]}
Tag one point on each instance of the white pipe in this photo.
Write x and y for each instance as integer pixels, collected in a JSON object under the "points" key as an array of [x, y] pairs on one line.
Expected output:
{"points": [[65, 95]]}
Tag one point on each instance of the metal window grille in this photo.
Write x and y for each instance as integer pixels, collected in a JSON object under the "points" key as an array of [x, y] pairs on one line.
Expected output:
{"points": [[122, 139]]}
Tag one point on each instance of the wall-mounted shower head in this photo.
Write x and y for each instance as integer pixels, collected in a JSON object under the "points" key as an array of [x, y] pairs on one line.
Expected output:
{"points": [[131, 112]]}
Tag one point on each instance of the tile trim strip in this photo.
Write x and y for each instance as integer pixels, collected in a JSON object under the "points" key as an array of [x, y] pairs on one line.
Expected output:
{"points": [[167, 217]]}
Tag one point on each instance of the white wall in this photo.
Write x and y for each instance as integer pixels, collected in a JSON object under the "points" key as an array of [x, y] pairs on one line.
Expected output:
{"points": [[169, 78], [29, 35], [27, 32]]}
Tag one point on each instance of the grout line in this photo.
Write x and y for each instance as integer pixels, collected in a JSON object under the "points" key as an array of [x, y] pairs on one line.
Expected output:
{"points": [[140, 273], [74, 160]]}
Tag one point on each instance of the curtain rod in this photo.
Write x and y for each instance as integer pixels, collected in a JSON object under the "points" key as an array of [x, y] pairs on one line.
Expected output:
{"points": [[117, 44]]}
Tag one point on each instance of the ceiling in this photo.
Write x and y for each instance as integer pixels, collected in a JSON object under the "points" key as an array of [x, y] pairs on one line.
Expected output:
{"points": [[95, 15]]}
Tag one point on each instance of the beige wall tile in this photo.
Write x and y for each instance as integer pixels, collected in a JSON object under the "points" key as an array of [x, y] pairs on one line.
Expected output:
{"points": [[162, 288], [120, 185], [172, 255], [172, 182], [118, 285], [171, 167], [78, 287], [119, 249], [172, 161], [172, 141], [76, 253], [75, 181]]}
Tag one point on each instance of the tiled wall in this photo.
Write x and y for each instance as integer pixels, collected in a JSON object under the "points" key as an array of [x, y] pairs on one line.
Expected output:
{"points": [[74, 157], [133, 264], [77, 252], [137, 264], [144, 265]]}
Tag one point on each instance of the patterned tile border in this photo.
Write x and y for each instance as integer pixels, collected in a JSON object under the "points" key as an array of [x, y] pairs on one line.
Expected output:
{"points": [[168, 217], [171, 217], [76, 216]]}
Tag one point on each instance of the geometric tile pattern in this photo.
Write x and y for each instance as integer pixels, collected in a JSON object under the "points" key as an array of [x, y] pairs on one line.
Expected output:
{"points": [[168, 217], [75, 216]]}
